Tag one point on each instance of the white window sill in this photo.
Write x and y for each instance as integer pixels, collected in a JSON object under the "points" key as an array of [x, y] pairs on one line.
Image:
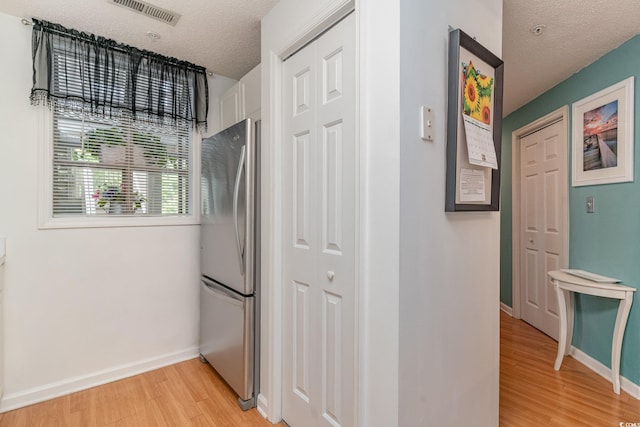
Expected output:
{"points": [[107, 222]]}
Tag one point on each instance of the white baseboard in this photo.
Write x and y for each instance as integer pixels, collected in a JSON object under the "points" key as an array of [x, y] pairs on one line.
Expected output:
{"points": [[600, 369], [60, 388], [504, 307], [263, 405]]}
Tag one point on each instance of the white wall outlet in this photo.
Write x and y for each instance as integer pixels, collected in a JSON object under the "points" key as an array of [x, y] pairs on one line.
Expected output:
{"points": [[427, 122]]}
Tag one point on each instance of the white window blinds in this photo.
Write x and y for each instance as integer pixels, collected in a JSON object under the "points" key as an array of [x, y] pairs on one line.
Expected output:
{"points": [[119, 167]]}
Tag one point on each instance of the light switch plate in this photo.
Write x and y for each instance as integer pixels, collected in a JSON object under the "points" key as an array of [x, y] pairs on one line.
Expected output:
{"points": [[591, 204], [427, 121]]}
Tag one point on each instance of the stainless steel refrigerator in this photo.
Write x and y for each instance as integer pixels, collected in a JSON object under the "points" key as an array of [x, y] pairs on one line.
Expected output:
{"points": [[230, 262]]}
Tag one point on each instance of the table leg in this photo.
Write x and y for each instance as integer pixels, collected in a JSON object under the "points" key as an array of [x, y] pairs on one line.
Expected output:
{"points": [[618, 333], [562, 315], [570, 314]]}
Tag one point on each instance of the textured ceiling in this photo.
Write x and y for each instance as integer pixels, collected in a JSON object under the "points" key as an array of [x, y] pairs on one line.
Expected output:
{"points": [[221, 35], [577, 33], [224, 35]]}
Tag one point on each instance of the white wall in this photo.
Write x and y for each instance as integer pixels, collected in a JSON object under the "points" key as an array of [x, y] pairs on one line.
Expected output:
{"points": [[449, 263], [379, 131], [82, 306]]}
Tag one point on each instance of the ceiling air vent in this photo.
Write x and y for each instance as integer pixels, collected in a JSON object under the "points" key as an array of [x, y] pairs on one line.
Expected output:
{"points": [[144, 8]]}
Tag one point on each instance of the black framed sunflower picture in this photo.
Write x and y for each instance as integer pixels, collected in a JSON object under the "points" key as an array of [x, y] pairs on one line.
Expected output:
{"points": [[474, 126]]}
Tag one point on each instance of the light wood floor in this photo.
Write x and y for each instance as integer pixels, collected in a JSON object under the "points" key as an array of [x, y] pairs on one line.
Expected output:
{"points": [[186, 394], [532, 393], [192, 394]]}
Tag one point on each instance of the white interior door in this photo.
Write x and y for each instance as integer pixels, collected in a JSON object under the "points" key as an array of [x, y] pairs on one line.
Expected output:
{"points": [[319, 202], [543, 208]]}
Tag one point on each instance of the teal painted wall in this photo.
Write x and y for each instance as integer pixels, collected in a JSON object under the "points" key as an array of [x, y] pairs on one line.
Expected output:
{"points": [[607, 241]]}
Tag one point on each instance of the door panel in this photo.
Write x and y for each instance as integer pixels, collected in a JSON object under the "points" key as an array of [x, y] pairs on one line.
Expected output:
{"points": [[531, 278], [300, 332], [530, 212], [300, 237], [542, 176], [332, 357], [302, 96], [332, 188], [553, 222], [552, 263], [319, 170], [332, 76], [301, 189]]}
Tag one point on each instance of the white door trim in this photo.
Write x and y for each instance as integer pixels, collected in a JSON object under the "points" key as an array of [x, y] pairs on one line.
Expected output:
{"points": [[270, 399], [561, 113]]}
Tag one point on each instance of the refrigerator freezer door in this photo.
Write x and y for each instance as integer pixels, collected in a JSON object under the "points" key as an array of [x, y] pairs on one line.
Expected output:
{"points": [[227, 207], [226, 335]]}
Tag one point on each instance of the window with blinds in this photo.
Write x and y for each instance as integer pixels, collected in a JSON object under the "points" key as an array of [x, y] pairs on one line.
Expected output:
{"points": [[109, 162], [119, 167]]}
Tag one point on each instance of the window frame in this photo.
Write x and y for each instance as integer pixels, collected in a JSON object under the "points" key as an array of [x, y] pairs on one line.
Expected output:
{"points": [[46, 219]]}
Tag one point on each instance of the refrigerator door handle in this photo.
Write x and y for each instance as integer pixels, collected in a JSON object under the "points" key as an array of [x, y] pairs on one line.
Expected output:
{"points": [[236, 191]]}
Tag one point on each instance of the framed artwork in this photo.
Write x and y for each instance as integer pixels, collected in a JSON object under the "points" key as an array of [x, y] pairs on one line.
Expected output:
{"points": [[602, 136], [474, 126]]}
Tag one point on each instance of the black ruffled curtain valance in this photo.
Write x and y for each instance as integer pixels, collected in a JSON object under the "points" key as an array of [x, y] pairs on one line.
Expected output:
{"points": [[86, 73]]}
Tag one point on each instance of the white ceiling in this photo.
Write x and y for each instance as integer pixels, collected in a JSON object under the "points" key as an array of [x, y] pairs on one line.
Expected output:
{"points": [[224, 35], [577, 33]]}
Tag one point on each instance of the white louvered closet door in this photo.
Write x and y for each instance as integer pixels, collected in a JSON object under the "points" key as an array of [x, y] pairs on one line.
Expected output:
{"points": [[319, 208]]}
